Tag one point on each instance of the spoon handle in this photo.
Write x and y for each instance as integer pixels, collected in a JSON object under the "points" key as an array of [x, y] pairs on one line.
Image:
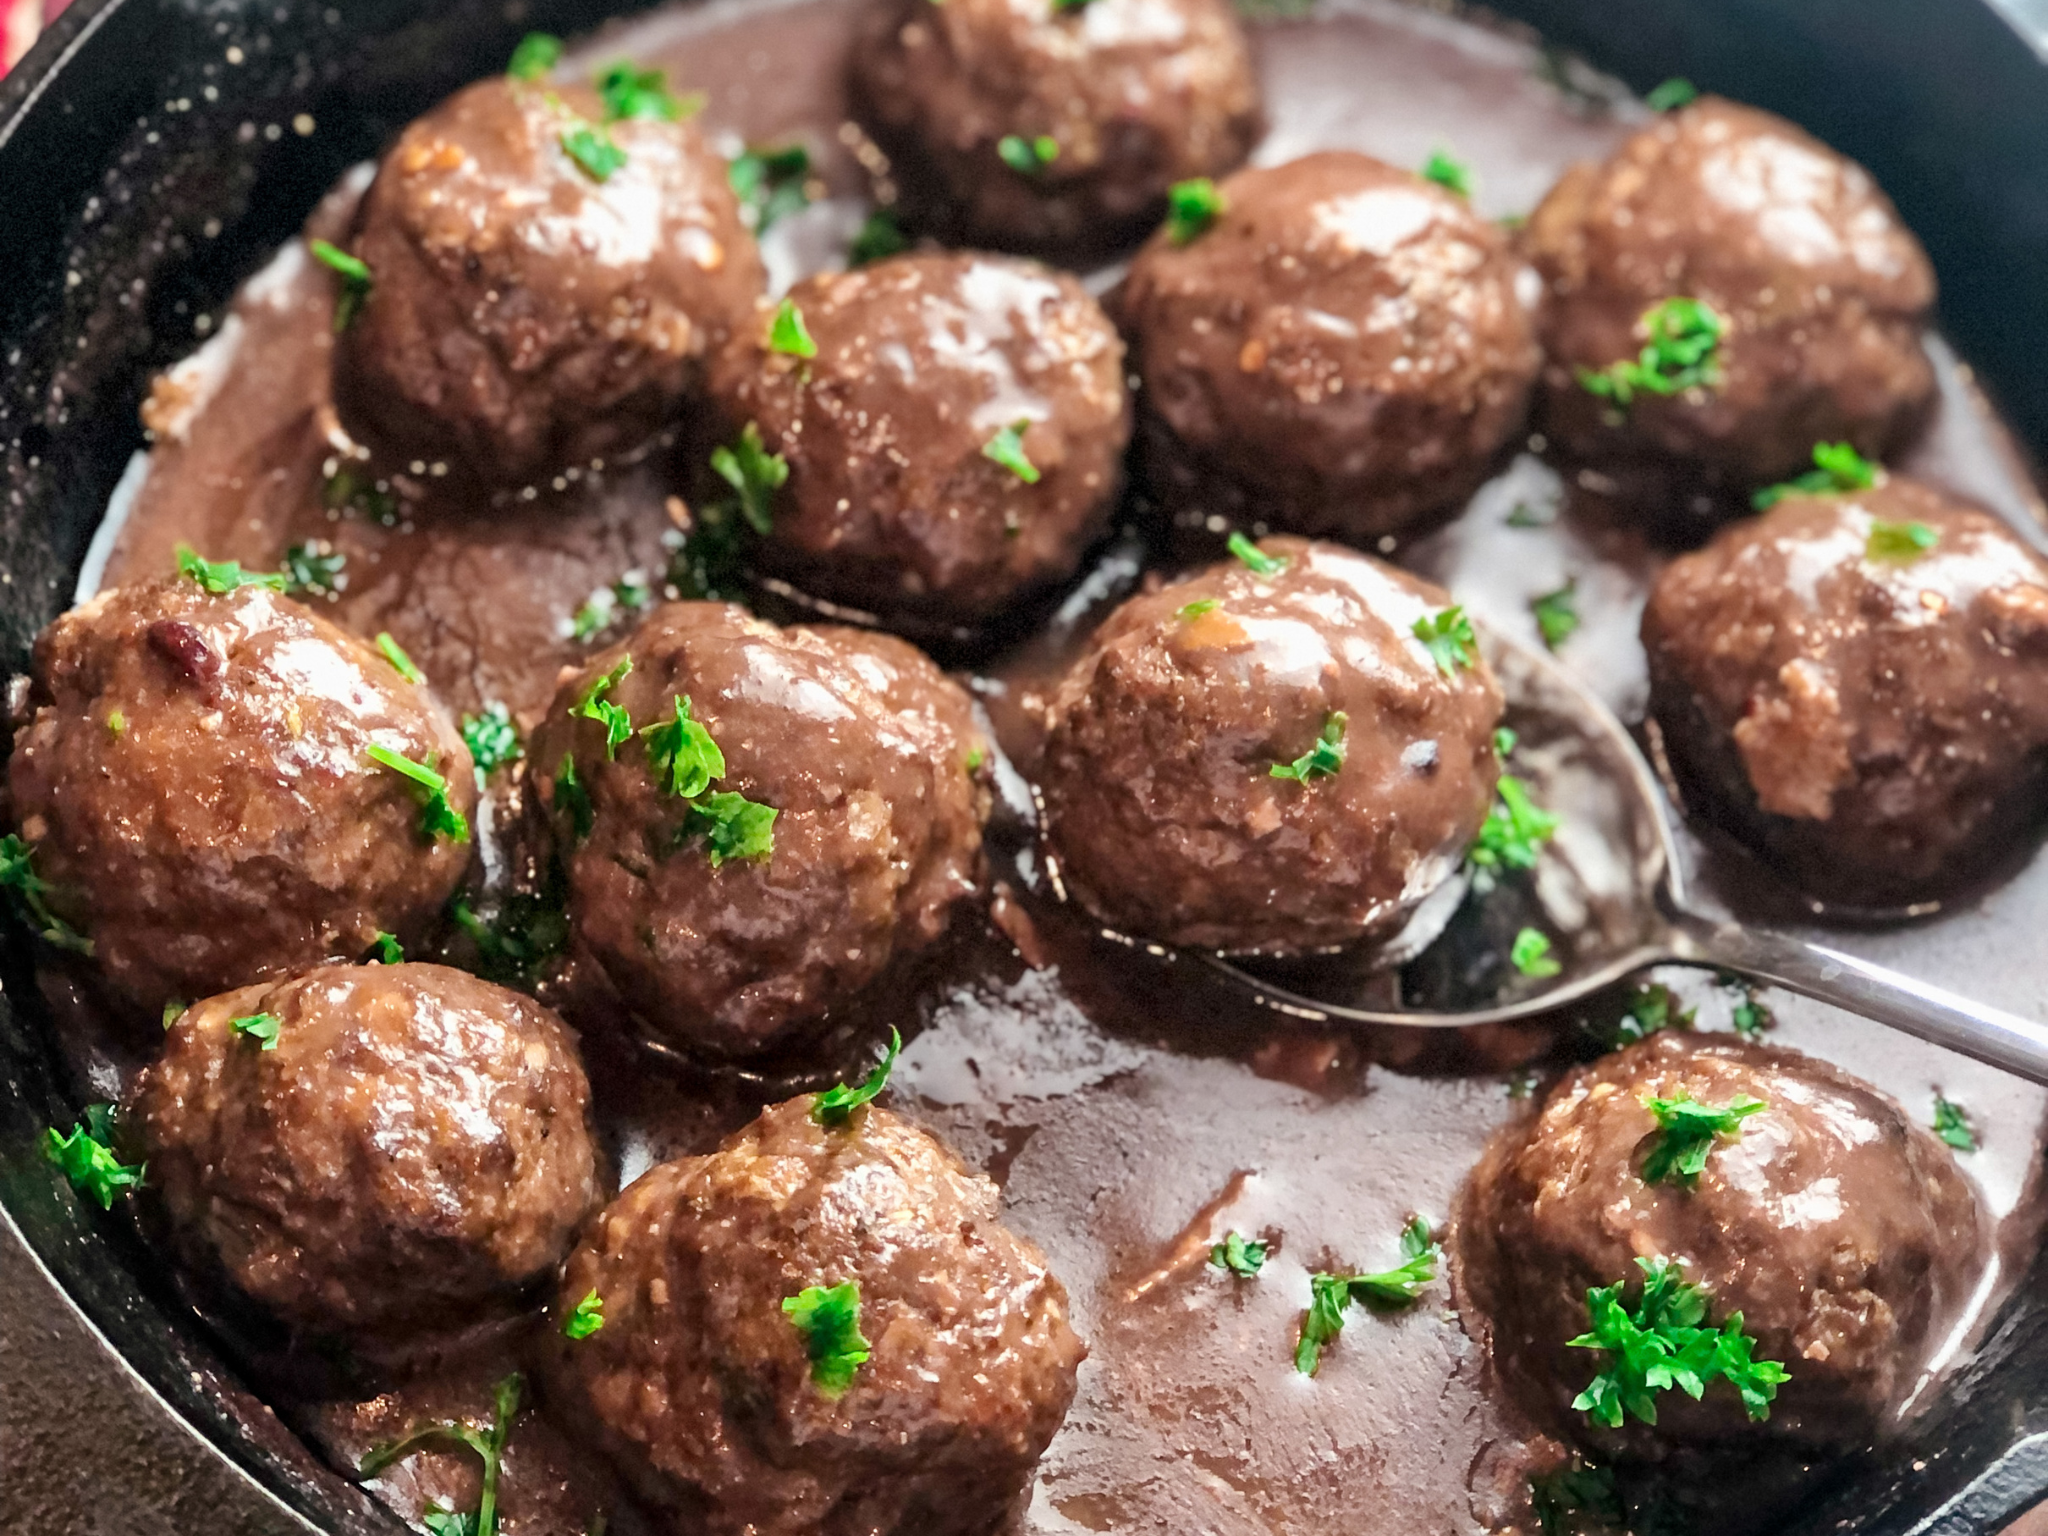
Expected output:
{"points": [[2005, 1040]]}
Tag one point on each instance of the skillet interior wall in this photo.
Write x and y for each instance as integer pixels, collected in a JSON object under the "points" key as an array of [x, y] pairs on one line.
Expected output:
{"points": [[135, 203]]}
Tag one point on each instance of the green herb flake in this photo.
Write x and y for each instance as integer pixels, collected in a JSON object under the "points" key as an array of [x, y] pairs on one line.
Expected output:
{"points": [[1256, 560], [879, 238], [617, 723], [755, 473], [632, 93], [1389, 1290], [1557, 614], [771, 184], [260, 1027], [355, 280], [1514, 830], [1661, 1343], [175, 1008], [1651, 1010], [1027, 157], [732, 826], [976, 756], [1687, 1131], [1329, 1295], [522, 934], [1451, 174], [1200, 606], [828, 1317], [1952, 1125], [1505, 740], [1672, 94], [346, 490], [1449, 639], [386, 950], [1069, 7], [1681, 353], [221, 577], [572, 799], [1750, 1015], [395, 654], [87, 1157], [1899, 542], [438, 816], [314, 568], [1837, 469], [787, 333], [489, 1445], [1007, 449], [585, 1318], [536, 55], [27, 894], [680, 751], [1530, 954], [117, 722], [1239, 1255], [1321, 760], [492, 739], [835, 1106], [1526, 515], [1192, 206], [593, 150]]}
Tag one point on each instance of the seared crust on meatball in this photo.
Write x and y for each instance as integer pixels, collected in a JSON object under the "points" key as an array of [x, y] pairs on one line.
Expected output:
{"points": [[413, 1143], [1161, 805], [1873, 724], [1840, 1230], [523, 315], [1343, 351], [1824, 292], [196, 784], [701, 1387], [1135, 94], [893, 503], [869, 758]]}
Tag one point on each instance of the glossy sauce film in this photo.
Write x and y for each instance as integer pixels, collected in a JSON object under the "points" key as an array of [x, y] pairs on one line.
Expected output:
{"points": [[1133, 1110]]}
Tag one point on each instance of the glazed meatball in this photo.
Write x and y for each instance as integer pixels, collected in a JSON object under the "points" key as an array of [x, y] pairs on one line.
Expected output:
{"points": [[197, 785], [701, 1383], [1867, 714], [894, 502], [1163, 806], [523, 314], [1343, 351], [370, 1146], [1822, 294], [1024, 125], [727, 930], [1841, 1231]]}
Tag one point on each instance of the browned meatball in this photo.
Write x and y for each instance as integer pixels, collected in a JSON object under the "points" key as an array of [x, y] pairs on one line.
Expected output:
{"points": [[1842, 1232], [524, 314], [1343, 351], [1868, 715], [893, 503], [196, 782], [727, 935], [1025, 125], [1823, 292], [701, 1384], [410, 1142], [1161, 801]]}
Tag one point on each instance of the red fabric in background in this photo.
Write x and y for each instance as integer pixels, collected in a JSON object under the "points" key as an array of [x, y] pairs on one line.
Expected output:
{"points": [[20, 22]]}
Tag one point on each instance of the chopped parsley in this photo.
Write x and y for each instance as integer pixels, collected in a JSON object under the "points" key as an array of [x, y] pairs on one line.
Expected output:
{"points": [[492, 739], [1330, 1295], [1672, 94], [1661, 1344], [87, 1157], [828, 1317], [174, 1010], [771, 184], [1750, 1015], [314, 567], [260, 1027], [1514, 830], [537, 53], [835, 1106], [1027, 157], [1952, 1125], [732, 826], [515, 944], [629, 593], [386, 950], [755, 473], [395, 654], [585, 1318], [1451, 174], [1449, 639], [221, 577], [592, 149], [356, 282], [1240, 1255], [975, 758], [345, 490], [1557, 614], [879, 238], [1523, 515], [117, 722], [1531, 954], [1007, 449], [1191, 207], [1900, 542], [631, 93], [682, 754], [27, 892], [1651, 1010], [570, 796], [1682, 353], [1197, 608], [1505, 740], [438, 816], [617, 723], [788, 334], [489, 1446], [1256, 560], [1321, 760], [1837, 468], [1575, 1490], [1687, 1131]]}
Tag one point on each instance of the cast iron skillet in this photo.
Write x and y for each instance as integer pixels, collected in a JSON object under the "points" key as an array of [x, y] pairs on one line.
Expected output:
{"points": [[154, 152]]}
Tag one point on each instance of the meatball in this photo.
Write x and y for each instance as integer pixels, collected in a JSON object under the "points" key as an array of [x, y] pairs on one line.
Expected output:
{"points": [[1841, 1231], [1025, 125], [1344, 350], [196, 783], [926, 369], [701, 1383], [1821, 293], [1869, 715], [738, 877], [1271, 763], [372, 1145], [522, 313]]}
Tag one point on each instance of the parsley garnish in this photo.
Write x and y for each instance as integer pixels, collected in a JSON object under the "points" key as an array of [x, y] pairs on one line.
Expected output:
{"points": [[438, 816], [642, 93], [88, 1159], [493, 740], [174, 1010], [1575, 1490], [618, 725], [1900, 542], [1328, 1296], [26, 891], [1687, 1131], [1952, 1125], [1449, 639], [829, 1319], [835, 1106], [585, 1318], [1531, 955], [489, 1445], [682, 754], [788, 334], [386, 950], [1672, 94], [313, 567], [1007, 449], [1505, 740], [355, 280], [1522, 515], [1451, 174], [1255, 559], [1388, 1290], [1240, 1255], [976, 756], [592, 149], [1661, 1345], [395, 654], [343, 490], [1837, 468], [527, 931], [1514, 830], [880, 237], [570, 796], [1651, 1010], [260, 1027], [771, 184], [1681, 354], [1191, 207], [732, 826], [1321, 760], [117, 722], [630, 592], [1197, 608], [221, 577], [537, 53], [755, 473], [1027, 157], [1557, 614], [1751, 1016]]}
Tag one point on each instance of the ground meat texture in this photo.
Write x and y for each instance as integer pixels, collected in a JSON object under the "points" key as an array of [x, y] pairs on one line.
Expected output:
{"points": [[876, 772], [1345, 350], [196, 783], [1841, 1231], [892, 503], [701, 1387], [1161, 807], [523, 315], [1824, 291], [414, 1144], [1874, 727], [1135, 94]]}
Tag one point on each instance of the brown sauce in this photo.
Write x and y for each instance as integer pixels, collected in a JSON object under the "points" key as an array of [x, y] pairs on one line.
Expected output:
{"points": [[1133, 1111]]}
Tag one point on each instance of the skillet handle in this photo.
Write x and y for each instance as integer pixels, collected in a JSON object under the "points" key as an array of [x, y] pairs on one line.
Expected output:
{"points": [[2005, 1040]]}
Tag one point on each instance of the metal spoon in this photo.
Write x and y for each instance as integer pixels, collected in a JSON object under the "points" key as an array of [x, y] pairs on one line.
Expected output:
{"points": [[1614, 883]]}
